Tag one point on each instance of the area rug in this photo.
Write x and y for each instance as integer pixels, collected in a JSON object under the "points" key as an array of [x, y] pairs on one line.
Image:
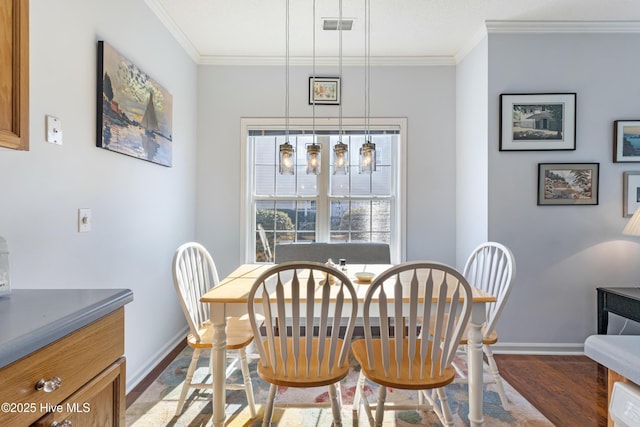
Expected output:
{"points": [[157, 405]]}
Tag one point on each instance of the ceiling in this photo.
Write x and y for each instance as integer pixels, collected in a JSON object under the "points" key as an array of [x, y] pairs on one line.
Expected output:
{"points": [[219, 31]]}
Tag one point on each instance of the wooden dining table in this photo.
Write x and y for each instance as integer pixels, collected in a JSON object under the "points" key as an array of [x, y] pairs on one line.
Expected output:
{"points": [[229, 298]]}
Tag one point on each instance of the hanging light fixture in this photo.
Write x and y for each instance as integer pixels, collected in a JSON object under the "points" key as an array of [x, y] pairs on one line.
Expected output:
{"points": [[313, 149], [368, 150], [287, 161], [340, 150]]}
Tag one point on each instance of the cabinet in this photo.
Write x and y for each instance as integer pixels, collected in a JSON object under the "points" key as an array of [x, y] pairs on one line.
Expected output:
{"points": [[91, 371], [14, 74]]}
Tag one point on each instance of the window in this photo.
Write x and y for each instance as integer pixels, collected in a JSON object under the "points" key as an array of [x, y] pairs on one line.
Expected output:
{"points": [[326, 207]]}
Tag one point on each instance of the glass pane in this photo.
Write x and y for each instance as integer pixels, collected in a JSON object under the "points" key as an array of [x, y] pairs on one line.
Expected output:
{"points": [[265, 180], [265, 150]]}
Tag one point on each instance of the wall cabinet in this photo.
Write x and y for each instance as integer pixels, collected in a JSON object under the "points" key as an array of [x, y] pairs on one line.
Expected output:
{"points": [[14, 74], [78, 380]]}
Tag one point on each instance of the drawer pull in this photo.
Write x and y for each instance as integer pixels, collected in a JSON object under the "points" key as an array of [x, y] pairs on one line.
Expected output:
{"points": [[65, 423], [49, 386]]}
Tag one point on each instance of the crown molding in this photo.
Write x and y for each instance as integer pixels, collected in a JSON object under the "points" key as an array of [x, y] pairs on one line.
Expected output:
{"points": [[567, 27], [159, 10], [414, 61]]}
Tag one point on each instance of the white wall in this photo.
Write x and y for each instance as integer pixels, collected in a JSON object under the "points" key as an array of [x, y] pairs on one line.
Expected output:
{"points": [[563, 252], [472, 143], [141, 211], [425, 95]]}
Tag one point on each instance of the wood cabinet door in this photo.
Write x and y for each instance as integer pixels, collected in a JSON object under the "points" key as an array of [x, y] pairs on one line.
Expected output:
{"points": [[14, 74]]}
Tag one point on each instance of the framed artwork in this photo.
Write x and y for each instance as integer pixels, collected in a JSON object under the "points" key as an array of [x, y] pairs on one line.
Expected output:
{"points": [[324, 90], [568, 183], [134, 113], [626, 141], [630, 193], [537, 122]]}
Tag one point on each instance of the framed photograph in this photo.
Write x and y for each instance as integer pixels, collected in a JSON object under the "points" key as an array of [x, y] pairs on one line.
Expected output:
{"points": [[630, 193], [626, 141], [134, 113], [536, 122], [568, 183], [324, 90]]}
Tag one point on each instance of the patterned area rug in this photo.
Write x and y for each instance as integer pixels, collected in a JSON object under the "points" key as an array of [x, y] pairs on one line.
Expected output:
{"points": [[157, 405]]}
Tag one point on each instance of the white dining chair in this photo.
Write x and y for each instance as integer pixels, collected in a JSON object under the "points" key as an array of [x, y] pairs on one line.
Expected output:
{"points": [[300, 344], [194, 273], [492, 268], [416, 296]]}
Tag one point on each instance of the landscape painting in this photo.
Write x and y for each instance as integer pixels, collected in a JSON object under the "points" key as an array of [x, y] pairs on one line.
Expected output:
{"points": [[568, 183], [537, 121], [626, 136], [134, 111]]}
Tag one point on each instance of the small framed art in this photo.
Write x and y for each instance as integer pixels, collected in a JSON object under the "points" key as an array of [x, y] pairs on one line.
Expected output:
{"points": [[568, 183], [626, 141], [542, 121], [324, 90], [630, 193]]}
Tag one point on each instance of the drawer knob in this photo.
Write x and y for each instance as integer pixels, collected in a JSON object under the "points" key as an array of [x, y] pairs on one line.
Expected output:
{"points": [[65, 423], [50, 385]]}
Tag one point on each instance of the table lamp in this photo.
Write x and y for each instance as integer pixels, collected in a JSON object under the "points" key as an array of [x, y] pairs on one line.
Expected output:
{"points": [[633, 226]]}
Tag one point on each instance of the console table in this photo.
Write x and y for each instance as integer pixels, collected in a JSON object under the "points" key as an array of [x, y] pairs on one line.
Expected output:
{"points": [[624, 302]]}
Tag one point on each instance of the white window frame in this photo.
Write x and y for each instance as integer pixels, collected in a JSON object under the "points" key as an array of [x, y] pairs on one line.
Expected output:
{"points": [[398, 185]]}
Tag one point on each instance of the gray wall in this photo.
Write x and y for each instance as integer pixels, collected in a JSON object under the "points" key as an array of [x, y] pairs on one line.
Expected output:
{"points": [[141, 211], [425, 95], [563, 252]]}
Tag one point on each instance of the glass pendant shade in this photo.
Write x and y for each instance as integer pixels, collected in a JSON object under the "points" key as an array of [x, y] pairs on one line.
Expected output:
{"points": [[286, 159], [313, 159], [367, 158], [340, 159]]}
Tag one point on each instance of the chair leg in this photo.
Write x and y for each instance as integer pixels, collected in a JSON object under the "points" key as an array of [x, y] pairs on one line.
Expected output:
{"points": [[382, 397], [444, 407], [187, 380], [268, 409], [356, 398], [336, 404], [247, 382], [493, 370]]}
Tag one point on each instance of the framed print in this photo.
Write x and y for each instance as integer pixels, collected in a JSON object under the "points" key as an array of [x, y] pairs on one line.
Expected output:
{"points": [[568, 183], [630, 193], [324, 90], [542, 121], [134, 113], [626, 141]]}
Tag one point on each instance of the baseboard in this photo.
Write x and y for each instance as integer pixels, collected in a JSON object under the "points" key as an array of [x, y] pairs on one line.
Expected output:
{"points": [[561, 349], [134, 379]]}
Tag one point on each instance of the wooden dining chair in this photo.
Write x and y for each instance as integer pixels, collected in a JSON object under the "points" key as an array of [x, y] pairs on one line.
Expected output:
{"points": [[295, 349], [410, 298], [492, 268], [194, 273]]}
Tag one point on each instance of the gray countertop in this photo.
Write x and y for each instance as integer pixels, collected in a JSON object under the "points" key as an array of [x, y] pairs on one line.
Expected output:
{"points": [[618, 352], [33, 318]]}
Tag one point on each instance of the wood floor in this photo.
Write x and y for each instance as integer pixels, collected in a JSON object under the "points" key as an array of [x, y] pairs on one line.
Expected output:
{"points": [[571, 391]]}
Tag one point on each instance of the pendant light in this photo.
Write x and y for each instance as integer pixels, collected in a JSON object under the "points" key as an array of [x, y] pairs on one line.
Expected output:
{"points": [[340, 150], [287, 161], [368, 150], [313, 149]]}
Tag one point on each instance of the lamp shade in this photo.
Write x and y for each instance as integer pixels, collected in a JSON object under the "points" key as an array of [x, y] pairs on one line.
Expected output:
{"points": [[633, 226]]}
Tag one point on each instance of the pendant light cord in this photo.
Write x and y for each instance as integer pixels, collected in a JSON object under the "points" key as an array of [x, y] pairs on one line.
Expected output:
{"points": [[340, 65], [313, 73], [286, 66], [367, 79]]}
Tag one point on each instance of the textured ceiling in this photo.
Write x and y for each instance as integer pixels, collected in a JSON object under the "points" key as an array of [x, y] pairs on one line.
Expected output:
{"points": [[210, 29]]}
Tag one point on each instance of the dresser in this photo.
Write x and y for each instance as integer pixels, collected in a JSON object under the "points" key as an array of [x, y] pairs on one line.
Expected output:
{"points": [[62, 357]]}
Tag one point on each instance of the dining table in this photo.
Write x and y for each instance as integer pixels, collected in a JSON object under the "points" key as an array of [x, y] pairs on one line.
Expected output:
{"points": [[229, 298]]}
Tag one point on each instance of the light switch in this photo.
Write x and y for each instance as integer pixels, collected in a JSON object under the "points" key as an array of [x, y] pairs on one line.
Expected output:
{"points": [[84, 220], [54, 130]]}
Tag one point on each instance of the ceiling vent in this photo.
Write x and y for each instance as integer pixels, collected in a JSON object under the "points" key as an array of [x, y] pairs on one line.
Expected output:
{"points": [[333, 24]]}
